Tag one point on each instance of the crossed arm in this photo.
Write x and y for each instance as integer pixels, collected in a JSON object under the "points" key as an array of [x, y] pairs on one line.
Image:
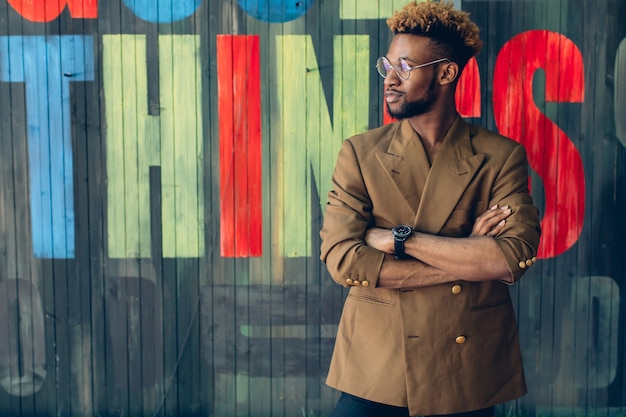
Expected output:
{"points": [[439, 259], [353, 250]]}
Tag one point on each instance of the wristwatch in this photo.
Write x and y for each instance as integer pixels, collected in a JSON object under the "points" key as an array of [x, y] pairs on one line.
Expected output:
{"points": [[400, 234]]}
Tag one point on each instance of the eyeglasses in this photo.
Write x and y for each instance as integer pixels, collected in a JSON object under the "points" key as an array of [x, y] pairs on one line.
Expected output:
{"points": [[402, 69]]}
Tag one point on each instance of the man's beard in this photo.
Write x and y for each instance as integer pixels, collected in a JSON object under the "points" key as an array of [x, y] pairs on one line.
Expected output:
{"points": [[415, 108]]}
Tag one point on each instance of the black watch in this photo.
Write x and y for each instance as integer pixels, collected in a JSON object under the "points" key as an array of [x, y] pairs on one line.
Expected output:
{"points": [[400, 234]]}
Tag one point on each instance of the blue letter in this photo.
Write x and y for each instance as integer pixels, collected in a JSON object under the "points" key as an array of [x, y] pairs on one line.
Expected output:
{"points": [[275, 11], [163, 11], [47, 65]]}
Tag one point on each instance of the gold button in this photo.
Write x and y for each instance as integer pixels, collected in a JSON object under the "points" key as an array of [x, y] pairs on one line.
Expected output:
{"points": [[365, 283], [349, 281], [456, 289], [357, 283], [534, 259], [522, 264], [460, 339], [529, 262]]}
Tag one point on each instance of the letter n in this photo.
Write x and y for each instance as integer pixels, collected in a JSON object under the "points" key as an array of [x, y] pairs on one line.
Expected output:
{"points": [[308, 143]]}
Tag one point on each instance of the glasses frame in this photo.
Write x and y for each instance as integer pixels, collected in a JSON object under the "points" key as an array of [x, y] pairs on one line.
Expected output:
{"points": [[408, 70]]}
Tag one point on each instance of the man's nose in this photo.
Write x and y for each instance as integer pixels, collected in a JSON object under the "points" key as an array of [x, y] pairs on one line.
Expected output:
{"points": [[391, 79]]}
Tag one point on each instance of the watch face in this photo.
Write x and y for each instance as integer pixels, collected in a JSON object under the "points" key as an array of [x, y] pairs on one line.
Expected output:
{"points": [[402, 231]]}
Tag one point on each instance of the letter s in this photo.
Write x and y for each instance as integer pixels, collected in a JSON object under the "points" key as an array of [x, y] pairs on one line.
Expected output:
{"points": [[550, 152]]}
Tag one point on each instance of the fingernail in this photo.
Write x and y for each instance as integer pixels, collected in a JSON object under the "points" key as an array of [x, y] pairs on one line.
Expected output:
{"points": [[501, 223], [504, 208], [494, 207]]}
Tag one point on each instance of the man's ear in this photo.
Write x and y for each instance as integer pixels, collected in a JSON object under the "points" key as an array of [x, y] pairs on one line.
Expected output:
{"points": [[449, 73]]}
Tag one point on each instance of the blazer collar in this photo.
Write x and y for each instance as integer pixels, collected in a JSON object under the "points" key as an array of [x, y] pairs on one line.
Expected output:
{"points": [[406, 164], [453, 169]]}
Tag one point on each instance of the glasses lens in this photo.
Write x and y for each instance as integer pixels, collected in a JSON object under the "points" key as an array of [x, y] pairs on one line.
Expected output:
{"points": [[383, 66], [403, 69]]}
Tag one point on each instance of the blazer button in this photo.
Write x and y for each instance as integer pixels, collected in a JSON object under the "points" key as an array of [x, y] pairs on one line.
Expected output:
{"points": [[357, 282], [456, 289], [522, 264], [365, 283], [349, 281], [460, 339], [529, 262]]}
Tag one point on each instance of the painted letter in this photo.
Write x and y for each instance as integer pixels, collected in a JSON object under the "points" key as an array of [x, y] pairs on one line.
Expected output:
{"points": [[136, 141], [589, 352], [47, 10], [310, 143], [239, 106], [22, 347], [164, 11], [468, 91], [550, 152], [47, 65], [275, 11], [374, 9]]}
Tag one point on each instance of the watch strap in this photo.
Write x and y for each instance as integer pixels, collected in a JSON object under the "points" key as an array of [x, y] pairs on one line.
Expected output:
{"points": [[398, 246]]}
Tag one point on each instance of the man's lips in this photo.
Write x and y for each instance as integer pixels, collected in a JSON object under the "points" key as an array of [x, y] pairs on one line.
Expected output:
{"points": [[391, 96]]}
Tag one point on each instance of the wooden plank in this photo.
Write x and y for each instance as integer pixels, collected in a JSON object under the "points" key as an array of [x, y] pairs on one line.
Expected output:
{"points": [[91, 233], [221, 400], [207, 361], [187, 328], [620, 92], [8, 261], [224, 330]]}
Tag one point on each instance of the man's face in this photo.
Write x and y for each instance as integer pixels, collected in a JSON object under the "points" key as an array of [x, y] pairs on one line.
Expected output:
{"points": [[417, 94]]}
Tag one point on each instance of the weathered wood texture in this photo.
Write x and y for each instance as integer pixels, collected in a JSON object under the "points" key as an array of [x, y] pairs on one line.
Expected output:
{"points": [[163, 173]]}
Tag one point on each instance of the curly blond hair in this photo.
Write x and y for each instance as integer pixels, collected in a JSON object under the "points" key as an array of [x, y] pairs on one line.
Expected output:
{"points": [[452, 31]]}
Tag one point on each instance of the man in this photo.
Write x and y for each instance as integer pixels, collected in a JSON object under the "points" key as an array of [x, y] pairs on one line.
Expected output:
{"points": [[428, 221]]}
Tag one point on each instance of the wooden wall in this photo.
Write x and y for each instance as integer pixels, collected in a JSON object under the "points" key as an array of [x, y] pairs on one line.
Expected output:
{"points": [[163, 168]]}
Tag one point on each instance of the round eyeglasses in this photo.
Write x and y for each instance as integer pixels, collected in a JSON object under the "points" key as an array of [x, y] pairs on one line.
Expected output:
{"points": [[402, 69]]}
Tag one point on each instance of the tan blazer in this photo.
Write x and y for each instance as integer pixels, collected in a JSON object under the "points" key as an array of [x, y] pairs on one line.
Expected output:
{"points": [[447, 348]]}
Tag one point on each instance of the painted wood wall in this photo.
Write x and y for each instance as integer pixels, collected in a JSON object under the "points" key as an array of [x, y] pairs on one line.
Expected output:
{"points": [[163, 171]]}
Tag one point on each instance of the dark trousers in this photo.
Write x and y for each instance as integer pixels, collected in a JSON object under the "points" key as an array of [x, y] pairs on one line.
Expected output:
{"points": [[351, 406]]}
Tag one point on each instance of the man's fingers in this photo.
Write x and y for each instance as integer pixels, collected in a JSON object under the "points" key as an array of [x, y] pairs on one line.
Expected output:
{"points": [[497, 229], [493, 213], [491, 222]]}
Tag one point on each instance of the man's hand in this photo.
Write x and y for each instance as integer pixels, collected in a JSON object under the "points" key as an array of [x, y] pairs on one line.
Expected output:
{"points": [[491, 222]]}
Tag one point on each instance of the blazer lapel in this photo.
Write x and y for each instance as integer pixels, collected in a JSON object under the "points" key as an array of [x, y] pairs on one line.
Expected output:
{"points": [[406, 164], [453, 169]]}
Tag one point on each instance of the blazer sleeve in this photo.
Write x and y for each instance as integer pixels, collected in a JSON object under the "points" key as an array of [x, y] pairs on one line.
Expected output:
{"points": [[347, 216], [519, 240]]}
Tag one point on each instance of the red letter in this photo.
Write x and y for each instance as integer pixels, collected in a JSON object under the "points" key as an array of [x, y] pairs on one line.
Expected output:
{"points": [[48, 10], [550, 152], [239, 105], [467, 95]]}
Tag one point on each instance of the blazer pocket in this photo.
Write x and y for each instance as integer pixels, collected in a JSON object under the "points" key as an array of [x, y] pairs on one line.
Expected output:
{"points": [[491, 305], [494, 318], [371, 300]]}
